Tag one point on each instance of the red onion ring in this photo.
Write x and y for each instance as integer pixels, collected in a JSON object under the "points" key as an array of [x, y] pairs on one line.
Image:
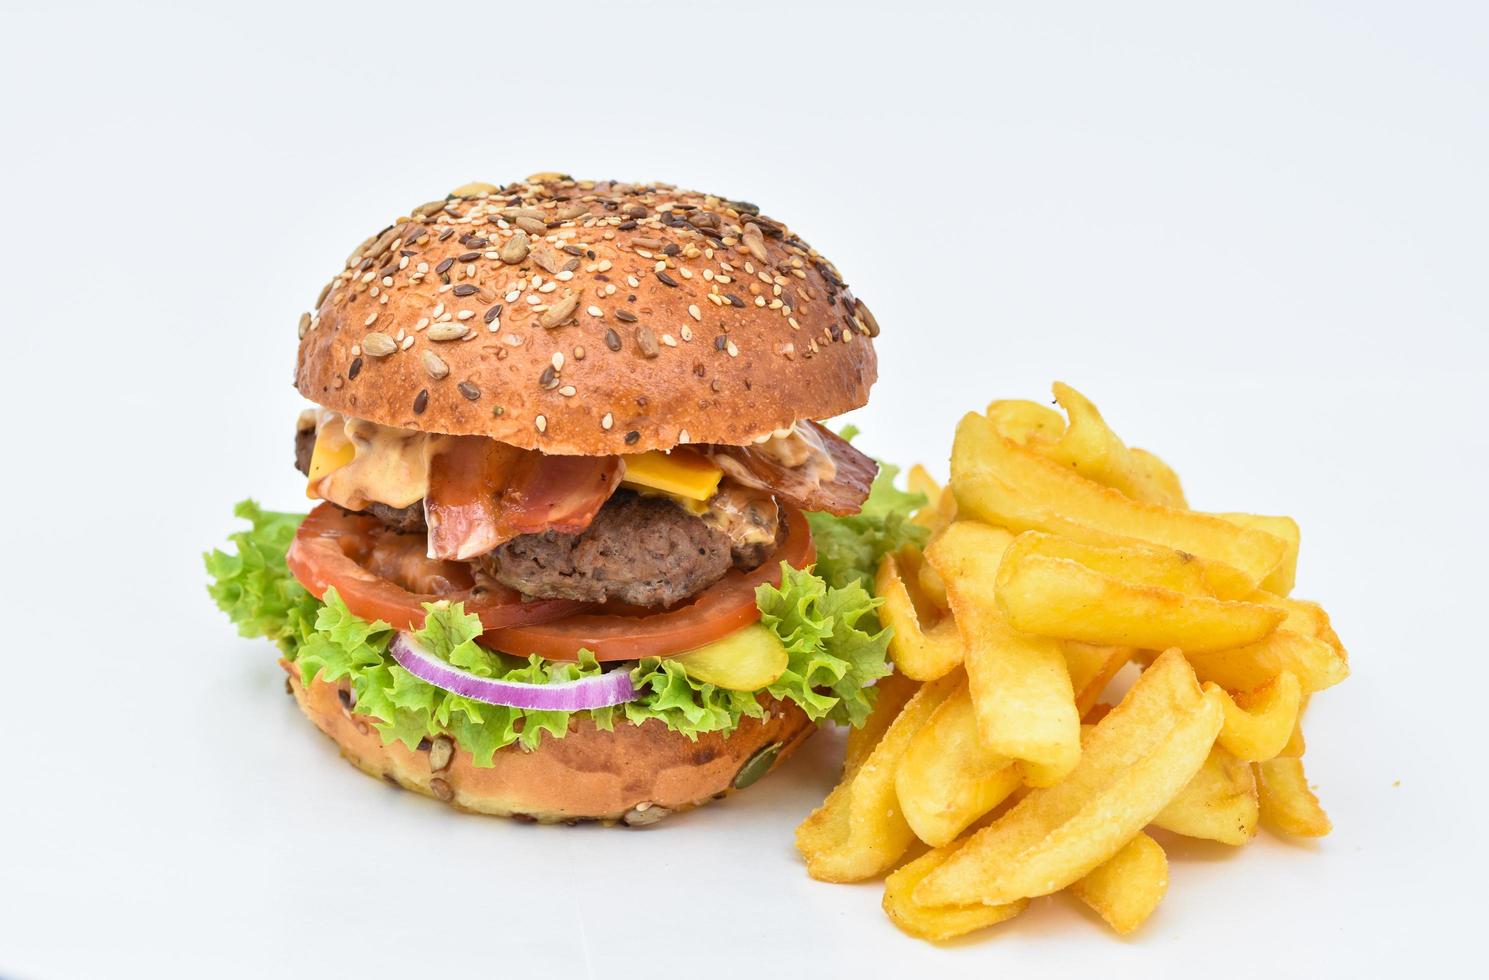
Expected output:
{"points": [[598, 691]]}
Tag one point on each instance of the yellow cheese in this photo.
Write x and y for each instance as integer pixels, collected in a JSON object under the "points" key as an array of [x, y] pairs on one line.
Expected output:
{"points": [[679, 474], [333, 450]]}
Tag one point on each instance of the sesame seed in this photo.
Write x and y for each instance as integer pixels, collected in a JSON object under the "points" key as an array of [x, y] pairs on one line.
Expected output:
{"points": [[557, 360], [541, 422], [693, 312], [567, 391], [595, 311], [682, 436], [371, 319], [606, 421]]}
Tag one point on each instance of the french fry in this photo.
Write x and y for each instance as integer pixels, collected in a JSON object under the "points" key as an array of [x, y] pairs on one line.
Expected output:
{"points": [[1092, 449], [1133, 762], [1163, 475], [891, 694], [1063, 598], [1296, 745], [1092, 669], [920, 654], [1288, 806], [1143, 564], [1020, 684], [999, 481], [1259, 723], [947, 778], [1219, 803], [1316, 664], [1027, 423], [940, 508], [938, 922], [919, 480], [1128, 886], [859, 831], [932, 587], [1281, 578]]}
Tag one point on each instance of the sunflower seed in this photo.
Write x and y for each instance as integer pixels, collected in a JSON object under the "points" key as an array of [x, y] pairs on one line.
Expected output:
{"points": [[447, 331], [378, 344], [532, 226], [559, 312], [435, 364], [514, 249], [547, 259], [441, 752]]}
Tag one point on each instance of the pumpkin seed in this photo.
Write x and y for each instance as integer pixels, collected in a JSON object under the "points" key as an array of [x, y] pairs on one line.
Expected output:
{"points": [[757, 765]]}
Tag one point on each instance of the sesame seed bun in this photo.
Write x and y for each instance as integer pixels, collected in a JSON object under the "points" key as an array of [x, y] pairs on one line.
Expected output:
{"points": [[635, 774], [663, 317]]}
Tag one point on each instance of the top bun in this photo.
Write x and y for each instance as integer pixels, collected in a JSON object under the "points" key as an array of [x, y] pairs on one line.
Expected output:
{"points": [[587, 318]]}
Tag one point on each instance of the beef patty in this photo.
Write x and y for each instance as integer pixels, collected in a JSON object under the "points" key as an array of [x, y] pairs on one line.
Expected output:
{"points": [[642, 550]]}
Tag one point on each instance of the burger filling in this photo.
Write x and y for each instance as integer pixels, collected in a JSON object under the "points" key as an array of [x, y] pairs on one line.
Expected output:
{"points": [[712, 583], [663, 528]]}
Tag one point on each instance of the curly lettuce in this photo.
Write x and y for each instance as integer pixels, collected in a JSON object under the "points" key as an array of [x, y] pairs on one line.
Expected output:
{"points": [[849, 548], [832, 637]]}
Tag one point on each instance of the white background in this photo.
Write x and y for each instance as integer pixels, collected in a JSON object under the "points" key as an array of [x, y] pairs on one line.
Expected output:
{"points": [[1254, 234]]}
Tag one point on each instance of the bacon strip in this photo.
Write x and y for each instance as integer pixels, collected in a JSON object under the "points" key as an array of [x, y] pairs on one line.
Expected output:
{"points": [[483, 493], [807, 486]]}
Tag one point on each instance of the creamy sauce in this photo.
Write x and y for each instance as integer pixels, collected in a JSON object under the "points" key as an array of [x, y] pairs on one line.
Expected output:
{"points": [[800, 448], [389, 466], [748, 516]]}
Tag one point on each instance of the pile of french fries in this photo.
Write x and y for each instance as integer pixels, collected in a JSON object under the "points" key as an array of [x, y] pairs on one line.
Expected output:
{"points": [[1058, 556]]}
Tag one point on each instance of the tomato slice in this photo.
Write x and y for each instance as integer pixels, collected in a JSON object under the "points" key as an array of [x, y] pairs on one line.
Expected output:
{"points": [[376, 573], [722, 608]]}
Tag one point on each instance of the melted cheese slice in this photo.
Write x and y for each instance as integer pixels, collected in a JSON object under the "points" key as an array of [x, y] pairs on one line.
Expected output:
{"points": [[357, 462], [683, 475]]}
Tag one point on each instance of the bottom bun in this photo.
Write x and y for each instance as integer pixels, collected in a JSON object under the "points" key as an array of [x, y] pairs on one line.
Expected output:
{"points": [[636, 774]]}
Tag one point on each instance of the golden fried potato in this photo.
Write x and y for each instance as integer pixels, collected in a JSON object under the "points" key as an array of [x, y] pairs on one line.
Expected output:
{"points": [[1061, 597], [1127, 887], [1219, 803], [947, 778], [1288, 805], [920, 654], [1027, 423], [1163, 475], [1260, 722], [1093, 450], [1132, 764], [1143, 564], [940, 508], [999, 481], [938, 922], [1092, 668], [891, 694], [1296, 745], [859, 831], [1306, 644], [1020, 684], [1280, 579]]}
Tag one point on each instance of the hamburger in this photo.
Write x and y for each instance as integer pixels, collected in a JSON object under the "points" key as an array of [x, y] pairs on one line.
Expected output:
{"points": [[580, 545]]}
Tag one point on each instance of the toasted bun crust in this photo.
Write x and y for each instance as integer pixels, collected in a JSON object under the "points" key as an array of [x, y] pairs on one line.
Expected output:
{"points": [[601, 318], [634, 775]]}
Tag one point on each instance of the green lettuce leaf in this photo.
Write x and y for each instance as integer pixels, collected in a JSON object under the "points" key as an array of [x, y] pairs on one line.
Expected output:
{"points": [[832, 655], [849, 548]]}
